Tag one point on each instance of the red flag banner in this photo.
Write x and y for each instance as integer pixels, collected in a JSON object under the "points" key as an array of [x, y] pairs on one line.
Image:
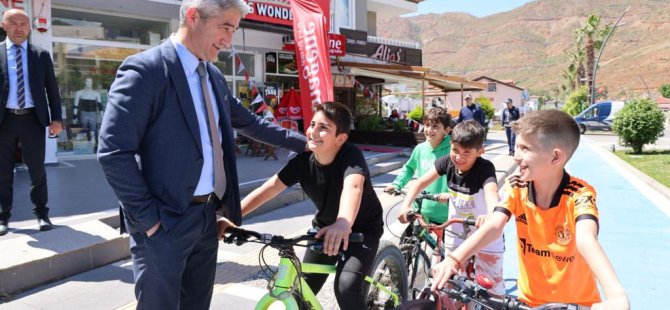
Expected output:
{"points": [[312, 55]]}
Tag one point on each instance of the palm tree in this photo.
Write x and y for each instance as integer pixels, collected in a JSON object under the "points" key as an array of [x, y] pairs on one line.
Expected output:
{"points": [[575, 74], [591, 36]]}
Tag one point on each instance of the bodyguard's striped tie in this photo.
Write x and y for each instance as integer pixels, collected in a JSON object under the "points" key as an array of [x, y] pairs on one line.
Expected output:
{"points": [[20, 85]]}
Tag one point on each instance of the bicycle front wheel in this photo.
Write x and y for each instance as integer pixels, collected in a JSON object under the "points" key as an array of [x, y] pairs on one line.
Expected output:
{"points": [[389, 275], [418, 268], [418, 304]]}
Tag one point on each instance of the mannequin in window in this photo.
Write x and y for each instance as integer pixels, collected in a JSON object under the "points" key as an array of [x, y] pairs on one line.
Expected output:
{"points": [[86, 108]]}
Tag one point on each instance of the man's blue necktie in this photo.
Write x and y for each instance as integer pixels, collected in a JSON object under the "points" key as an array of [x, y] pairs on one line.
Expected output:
{"points": [[20, 86]]}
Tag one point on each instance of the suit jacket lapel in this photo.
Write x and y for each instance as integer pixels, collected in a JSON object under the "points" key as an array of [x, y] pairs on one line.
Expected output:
{"points": [[32, 67], [178, 77]]}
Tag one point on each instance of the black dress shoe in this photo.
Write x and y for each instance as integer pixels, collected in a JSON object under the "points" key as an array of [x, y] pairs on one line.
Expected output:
{"points": [[44, 223], [4, 229]]}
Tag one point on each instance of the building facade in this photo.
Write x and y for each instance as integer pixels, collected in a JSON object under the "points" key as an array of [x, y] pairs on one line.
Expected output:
{"points": [[89, 39]]}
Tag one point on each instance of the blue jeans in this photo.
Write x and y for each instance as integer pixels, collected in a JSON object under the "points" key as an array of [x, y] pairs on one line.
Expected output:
{"points": [[511, 139]]}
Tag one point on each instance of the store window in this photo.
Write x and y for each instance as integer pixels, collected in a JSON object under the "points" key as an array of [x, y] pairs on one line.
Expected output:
{"points": [[236, 75], [88, 48], [92, 26], [341, 14]]}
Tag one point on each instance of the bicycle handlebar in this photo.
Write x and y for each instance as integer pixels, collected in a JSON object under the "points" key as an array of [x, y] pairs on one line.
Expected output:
{"points": [[466, 290], [241, 236]]}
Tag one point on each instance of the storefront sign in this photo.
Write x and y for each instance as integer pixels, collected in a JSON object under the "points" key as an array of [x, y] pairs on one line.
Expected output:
{"points": [[13, 4], [343, 81], [278, 12], [271, 62], [287, 63], [271, 90], [337, 45], [311, 42], [357, 43]]}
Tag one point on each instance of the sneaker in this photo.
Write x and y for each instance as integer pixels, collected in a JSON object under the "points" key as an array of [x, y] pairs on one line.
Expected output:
{"points": [[4, 229]]}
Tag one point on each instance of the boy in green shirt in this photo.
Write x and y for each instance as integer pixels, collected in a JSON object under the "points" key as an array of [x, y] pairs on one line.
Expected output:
{"points": [[437, 122]]}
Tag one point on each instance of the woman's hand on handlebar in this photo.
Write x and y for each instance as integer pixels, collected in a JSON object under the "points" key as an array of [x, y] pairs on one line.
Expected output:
{"points": [[442, 197], [334, 235], [442, 272], [223, 224]]}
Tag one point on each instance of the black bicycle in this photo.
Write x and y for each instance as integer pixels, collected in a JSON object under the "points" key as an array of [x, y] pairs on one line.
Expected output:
{"points": [[461, 292], [420, 236]]}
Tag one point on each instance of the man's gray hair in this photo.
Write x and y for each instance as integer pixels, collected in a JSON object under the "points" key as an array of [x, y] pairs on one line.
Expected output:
{"points": [[207, 8]]}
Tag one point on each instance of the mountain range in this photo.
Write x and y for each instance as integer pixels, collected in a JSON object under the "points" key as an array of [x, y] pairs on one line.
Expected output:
{"points": [[530, 44]]}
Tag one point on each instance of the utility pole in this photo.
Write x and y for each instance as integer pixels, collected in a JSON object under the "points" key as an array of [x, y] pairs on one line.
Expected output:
{"points": [[592, 94]]}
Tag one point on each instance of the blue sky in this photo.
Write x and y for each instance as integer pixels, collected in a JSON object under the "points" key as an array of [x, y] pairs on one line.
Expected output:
{"points": [[477, 8]]}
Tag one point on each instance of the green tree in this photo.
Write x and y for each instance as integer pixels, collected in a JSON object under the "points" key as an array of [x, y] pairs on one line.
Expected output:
{"points": [[577, 101], [487, 106], [638, 123], [664, 90], [592, 36]]}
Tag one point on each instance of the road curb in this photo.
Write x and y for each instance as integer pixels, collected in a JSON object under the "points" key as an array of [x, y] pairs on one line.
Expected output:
{"points": [[657, 186], [33, 260]]}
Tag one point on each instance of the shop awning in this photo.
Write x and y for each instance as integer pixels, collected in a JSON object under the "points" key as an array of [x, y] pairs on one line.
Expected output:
{"points": [[393, 73]]}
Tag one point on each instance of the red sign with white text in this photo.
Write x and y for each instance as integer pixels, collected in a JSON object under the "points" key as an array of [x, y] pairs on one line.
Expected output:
{"points": [[314, 74], [279, 11], [337, 45]]}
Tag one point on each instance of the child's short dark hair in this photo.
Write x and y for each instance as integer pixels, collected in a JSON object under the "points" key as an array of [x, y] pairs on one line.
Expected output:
{"points": [[553, 128], [438, 115], [337, 113], [469, 134]]}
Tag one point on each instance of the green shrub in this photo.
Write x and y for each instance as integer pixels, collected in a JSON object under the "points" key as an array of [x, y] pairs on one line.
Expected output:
{"points": [[416, 114], [399, 126], [577, 101], [638, 123], [370, 123], [664, 90], [487, 107]]}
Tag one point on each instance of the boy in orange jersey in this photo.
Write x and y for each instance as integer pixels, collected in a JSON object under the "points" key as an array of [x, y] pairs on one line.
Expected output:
{"points": [[556, 220]]}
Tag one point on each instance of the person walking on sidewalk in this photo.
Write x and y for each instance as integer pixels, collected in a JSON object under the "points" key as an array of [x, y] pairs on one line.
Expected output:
{"points": [[472, 111], [30, 102], [510, 114], [172, 109]]}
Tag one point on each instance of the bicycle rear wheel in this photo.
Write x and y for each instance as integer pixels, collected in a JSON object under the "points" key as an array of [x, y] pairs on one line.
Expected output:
{"points": [[418, 267], [389, 270]]}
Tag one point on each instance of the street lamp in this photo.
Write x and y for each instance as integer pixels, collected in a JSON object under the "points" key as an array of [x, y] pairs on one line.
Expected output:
{"points": [[592, 98]]}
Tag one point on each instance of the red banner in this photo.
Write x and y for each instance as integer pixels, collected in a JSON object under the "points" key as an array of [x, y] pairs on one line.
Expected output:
{"points": [[311, 41]]}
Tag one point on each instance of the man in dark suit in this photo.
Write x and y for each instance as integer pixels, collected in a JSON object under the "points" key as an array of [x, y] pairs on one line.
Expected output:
{"points": [[166, 106], [27, 80]]}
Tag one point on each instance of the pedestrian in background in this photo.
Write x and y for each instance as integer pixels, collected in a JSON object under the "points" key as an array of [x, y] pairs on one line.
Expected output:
{"points": [[172, 108], [30, 102], [472, 111], [510, 114]]}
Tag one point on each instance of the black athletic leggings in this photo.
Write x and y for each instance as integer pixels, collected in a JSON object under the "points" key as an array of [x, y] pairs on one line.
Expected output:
{"points": [[350, 284]]}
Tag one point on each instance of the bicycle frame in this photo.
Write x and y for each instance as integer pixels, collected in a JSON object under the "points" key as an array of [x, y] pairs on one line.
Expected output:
{"points": [[283, 284]]}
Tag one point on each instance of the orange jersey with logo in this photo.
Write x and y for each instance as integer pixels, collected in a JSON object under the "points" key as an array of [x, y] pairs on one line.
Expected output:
{"points": [[551, 269]]}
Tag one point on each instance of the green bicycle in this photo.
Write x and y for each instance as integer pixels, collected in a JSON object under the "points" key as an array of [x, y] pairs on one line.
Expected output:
{"points": [[388, 278]]}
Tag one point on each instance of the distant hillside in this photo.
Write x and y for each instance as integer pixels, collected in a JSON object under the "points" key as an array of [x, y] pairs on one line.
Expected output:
{"points": [[528, 44]]}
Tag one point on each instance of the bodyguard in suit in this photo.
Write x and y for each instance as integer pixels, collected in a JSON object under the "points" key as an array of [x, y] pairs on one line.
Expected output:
{"points": [[29, 102], [157, 154]]}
